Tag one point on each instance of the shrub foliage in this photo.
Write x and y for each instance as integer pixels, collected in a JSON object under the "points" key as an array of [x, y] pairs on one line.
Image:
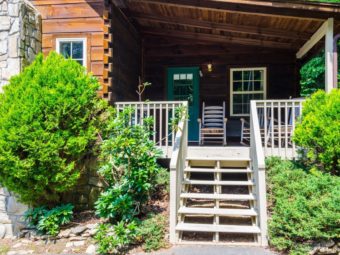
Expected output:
{"points": [[318, 132], [48, 117], [304, 206], [49, 221]]}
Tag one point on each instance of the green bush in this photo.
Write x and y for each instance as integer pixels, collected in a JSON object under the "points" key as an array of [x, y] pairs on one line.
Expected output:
{"points": [[49, 221], [114, 239], [129, 166], [318, 132], [305, 206], [151, 232], [48, 122]]}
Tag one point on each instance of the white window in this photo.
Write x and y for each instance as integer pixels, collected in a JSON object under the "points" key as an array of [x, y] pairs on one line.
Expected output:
{"points": [[246, 84], [74, 48]]}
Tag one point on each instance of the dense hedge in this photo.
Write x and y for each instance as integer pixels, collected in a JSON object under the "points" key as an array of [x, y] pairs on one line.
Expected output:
{"points": [[318, 132], [48, 122], [304, 206]]}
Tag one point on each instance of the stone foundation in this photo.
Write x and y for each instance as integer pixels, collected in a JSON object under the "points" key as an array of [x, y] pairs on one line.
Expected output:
{"points": [[20, 41]]}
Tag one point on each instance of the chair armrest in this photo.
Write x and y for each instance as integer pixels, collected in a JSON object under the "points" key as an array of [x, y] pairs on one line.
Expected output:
{"points": [[199, 120], [225, 120]]}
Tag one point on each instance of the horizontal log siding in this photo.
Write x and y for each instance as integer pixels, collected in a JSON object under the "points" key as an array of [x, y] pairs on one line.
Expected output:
{"points": [[73, 19]]}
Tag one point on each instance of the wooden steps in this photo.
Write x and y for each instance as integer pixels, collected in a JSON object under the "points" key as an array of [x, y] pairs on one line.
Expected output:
{"points": [[217, 228], [217, 211], [217, 198], [221, 183], [238, 197]]}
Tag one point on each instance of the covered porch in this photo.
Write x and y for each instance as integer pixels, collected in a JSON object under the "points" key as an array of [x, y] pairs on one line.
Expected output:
{"points": [[219, 51]]}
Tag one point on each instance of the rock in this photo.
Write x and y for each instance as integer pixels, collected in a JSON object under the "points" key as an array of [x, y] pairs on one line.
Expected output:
{"points": [[2, 231], [77, 238], [17, 245], [91, 249], [78, 230], [64, 233], [20, 252], [327, 243], [75, 244]]}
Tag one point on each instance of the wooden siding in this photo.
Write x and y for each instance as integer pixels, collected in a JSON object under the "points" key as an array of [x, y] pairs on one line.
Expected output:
{"points": [[76, 19]]}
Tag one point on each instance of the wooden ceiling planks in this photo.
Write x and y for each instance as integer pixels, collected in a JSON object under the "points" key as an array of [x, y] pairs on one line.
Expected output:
{"points": [[225, 22]]}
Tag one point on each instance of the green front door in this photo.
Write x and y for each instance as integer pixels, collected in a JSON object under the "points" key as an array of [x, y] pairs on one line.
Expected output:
{"points": [[183, 84]]}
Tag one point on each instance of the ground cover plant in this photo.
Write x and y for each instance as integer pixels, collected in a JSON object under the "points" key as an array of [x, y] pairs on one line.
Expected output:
{"points": [[304, 206], [318, 132], [49, 221], [49, 117]]}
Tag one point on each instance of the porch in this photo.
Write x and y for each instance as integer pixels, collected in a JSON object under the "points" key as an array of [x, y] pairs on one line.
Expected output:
{"points": [[244, 53]]}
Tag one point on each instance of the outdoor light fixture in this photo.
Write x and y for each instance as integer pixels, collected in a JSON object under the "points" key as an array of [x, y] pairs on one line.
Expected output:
{"points": [[210, 67]]}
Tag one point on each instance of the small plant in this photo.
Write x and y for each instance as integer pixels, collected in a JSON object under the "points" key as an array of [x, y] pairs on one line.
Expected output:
{"points": [[152, 232], [141, 88], [129, 166], [49, 221], [114, 239], [318, 132]]}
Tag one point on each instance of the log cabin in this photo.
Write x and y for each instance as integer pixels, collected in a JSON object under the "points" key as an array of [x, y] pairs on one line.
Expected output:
{"points": [[240, 54]]}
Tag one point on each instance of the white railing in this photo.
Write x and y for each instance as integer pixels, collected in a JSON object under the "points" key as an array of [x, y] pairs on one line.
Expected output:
{"points": [[163, 114], [258, 166], [277, 120], [177, 165]]}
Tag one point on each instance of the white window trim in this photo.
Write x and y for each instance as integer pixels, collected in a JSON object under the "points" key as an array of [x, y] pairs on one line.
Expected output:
{"points": [[264, 91], [80, 39]]}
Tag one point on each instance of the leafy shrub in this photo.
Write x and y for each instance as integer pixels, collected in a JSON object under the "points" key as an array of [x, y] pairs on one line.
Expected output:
{"points": [[49, 221], [129, 166], [305, 206], [151, 232], [318, 132], [48, 122], [113, 239]]}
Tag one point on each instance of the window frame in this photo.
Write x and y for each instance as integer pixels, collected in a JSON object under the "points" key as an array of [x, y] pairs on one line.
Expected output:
{"points": [[74, 39], [232, 92]]}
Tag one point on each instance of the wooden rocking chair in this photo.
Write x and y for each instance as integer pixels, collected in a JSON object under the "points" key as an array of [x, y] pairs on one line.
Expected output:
{"points": [[212, 126]]}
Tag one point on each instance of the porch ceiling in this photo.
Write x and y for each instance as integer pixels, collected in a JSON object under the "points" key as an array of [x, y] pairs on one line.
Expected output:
{"points": [[268, 24]]}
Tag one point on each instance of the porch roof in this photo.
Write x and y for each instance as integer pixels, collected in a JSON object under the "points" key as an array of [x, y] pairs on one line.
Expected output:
{"points": [[272, 24]]}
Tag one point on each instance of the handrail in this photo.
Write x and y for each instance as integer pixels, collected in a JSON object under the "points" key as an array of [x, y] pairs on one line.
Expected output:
{"points": [[258, 166], [177, 165]]}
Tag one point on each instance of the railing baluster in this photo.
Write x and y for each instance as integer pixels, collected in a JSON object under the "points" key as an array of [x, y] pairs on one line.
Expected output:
{"points": [[286, 129], [272, 123], [154, 122], [292, 128], [279, 126], [166, 127], [160, 124], [265, 126], [172, 126]]}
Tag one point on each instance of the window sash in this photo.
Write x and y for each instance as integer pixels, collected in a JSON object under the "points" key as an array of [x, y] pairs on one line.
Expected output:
{"points": [[71, 41], [242, 82]]}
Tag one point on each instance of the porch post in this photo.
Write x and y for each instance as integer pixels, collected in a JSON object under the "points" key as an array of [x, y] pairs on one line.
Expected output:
{"points": [[329, 55]]}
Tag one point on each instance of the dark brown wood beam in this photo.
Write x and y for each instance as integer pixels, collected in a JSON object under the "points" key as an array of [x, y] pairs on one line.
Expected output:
{"points": [[285, 9], [206, 50], [253, 30], [218, 38]]}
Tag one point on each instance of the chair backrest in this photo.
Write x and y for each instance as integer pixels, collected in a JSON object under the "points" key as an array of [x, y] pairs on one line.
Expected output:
{"points": [[213, 116]]}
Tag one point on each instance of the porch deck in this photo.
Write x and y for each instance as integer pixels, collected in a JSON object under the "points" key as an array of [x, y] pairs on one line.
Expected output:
{"points": [[213, 152]]}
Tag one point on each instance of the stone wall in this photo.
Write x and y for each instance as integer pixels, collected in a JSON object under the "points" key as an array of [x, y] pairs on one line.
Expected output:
{"points": [[20, 41], [20, 36]]}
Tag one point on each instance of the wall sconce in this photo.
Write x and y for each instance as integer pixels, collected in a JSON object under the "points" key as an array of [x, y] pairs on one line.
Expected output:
{"points": [[210, 67]]}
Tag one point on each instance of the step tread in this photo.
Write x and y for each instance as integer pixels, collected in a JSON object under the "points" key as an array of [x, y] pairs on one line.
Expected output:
{"points": [[239, 159], [217, 228], [217, 211], [218, 196], [231, 183], [217, 170]]}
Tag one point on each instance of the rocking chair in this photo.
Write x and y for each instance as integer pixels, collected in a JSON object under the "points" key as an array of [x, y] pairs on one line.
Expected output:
{"points": [[212, 126]]}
